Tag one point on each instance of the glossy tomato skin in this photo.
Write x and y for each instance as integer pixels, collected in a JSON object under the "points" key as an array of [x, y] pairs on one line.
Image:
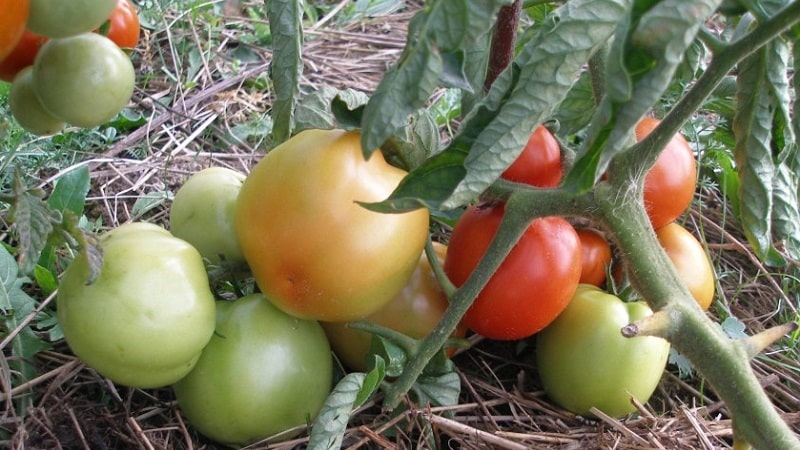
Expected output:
{"points": [[28, 110], [670, 184], [85, 80], [123, 25], [415, 311], [585, 361], [13, 16], [690, 260], [202, 213], [313, 249], [595, 257], [530, 288], [59, 18], [145, 320], [263, 372], [539, 164]]}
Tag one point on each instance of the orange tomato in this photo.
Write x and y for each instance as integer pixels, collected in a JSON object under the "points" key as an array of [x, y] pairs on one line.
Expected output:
{"points": [[690, 260], [13, 17]]}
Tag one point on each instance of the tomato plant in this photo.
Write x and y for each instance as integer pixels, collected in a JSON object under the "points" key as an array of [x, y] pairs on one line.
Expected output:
{"points": [[670, 184], [539, 164], [595, 257], [313, 249], [84, 80], [58, 19], [263, 372], [414, 311], [690, 260], [123, 25], [584, 361], [13, 16], [145, 319], [28, 110], [21, 56], [531, 287], [202, 213]]}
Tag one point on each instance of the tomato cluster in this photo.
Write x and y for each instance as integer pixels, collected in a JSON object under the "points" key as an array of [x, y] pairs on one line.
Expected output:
{"points": [[65, 61]]}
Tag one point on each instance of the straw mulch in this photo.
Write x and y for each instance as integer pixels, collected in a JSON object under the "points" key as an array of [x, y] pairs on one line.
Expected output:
{"points": [[502, 405]]}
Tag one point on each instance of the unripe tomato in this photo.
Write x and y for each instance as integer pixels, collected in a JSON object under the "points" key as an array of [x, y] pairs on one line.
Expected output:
{"points": [[146, 318], [313, 249], [84, 80], [585, 361], [531, 287], [690, 260], [27, 109], [539, 164], [123, 25], [263, 372], [670, 184], [415, 312], [13, 16], [60, 18], [21, 56], [595, 257], [203, 210]]}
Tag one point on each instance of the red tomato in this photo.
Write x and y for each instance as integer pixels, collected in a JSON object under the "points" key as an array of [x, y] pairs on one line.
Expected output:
{"points": [[595, 257], [123, 25], [13, 17], [21, 56], [539, 164], [670, 184], [531, 287]]}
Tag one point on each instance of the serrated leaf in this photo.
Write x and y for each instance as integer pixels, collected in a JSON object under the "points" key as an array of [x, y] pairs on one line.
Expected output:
{"points": [[734, 328], [68, 198], [442, 390], [442, 27], [329, 427], [33, 220], [286, 28], [328, 108], [685, 367]]}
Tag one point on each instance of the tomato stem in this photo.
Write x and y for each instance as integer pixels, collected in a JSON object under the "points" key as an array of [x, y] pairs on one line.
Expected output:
{"points": [[502, 48]]}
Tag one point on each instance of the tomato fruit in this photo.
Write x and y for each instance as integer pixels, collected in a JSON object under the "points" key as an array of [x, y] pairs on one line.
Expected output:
{"points": [[26, 108], [84, 80], [123, 25], [21, 56], [13, 16], [584, 361], [313, 249], [415, 312], [539, 164], [202, 213], [59, 18], [690, 260], [670, 184], [531, 287], [146, 318], [262, 373], [595, 257]]}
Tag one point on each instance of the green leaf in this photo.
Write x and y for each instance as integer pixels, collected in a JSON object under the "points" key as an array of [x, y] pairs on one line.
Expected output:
{"points": [[734, 328], [69, 195], [441, 390], [443, 27], [286, 27], [33, 220], [328, 108], [685, 368], [350, 392], [577, 108], [391, 356]]}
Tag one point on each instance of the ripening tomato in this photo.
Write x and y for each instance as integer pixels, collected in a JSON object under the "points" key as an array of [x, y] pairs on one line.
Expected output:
{"points": [[21, 56], [539, 164], [531, 287], [313, 249], [59, 18], [690, 260], [670, 184], [13, 16], [123, 25], [595, 257], [415, 312]]}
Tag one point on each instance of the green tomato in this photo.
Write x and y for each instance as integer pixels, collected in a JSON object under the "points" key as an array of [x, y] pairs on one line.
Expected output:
{"points": [[263, 372], [584, 360], [84, 80], [27, 109], [203, 210], [62, 18], [146, 318]]}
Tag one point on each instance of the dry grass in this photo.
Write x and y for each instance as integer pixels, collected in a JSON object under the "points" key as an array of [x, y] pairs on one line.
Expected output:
{"points": [[502, 404]]}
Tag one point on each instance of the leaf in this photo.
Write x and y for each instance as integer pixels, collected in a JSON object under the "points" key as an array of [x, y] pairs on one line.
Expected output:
{"points": [[577, 108], [69, 195], [685, 368], [734, 328], [328, 108], [286, 27], [33, 220], [443, 27], [350, 392], [441, 390]]}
